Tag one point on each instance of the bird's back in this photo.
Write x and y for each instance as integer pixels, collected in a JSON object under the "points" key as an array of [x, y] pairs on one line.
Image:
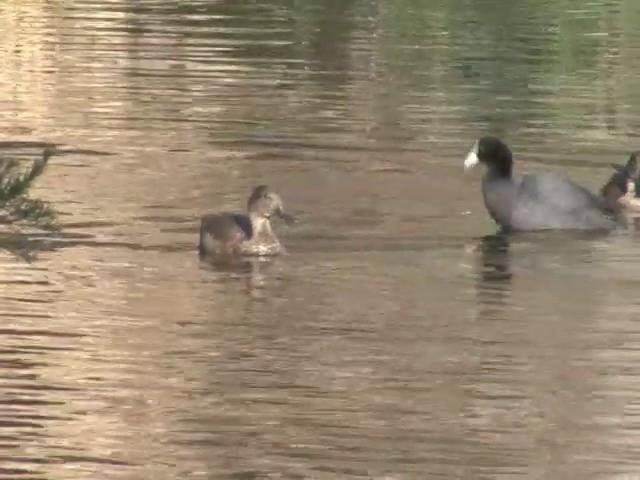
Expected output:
{"points": [[544, 201], [552, 201], [223, 232]]}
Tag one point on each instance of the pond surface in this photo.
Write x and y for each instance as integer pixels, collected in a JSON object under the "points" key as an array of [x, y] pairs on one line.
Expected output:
{"points": [[398, 339]]}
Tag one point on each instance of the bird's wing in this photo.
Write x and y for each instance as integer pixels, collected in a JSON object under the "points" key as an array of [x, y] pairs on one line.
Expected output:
{"points": [[225, 227]]}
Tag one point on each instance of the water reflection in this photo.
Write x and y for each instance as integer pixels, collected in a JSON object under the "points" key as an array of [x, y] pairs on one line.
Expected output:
{"points": [[494, 275], [252, 272], [371, 351]]}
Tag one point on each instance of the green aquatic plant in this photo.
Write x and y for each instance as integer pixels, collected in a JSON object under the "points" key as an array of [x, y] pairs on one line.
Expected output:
{"points": [[14, 187]]}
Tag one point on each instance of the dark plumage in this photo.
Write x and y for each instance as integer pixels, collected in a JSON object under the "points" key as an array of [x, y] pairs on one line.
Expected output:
{"points": [[618, 184], [542, 201]]}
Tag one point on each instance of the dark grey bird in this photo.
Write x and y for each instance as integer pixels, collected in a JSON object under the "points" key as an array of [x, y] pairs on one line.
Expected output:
{"points": [[540, 201]]}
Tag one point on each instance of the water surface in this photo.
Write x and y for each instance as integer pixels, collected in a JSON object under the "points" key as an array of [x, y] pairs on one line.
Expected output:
{"points": [[399, 339]]}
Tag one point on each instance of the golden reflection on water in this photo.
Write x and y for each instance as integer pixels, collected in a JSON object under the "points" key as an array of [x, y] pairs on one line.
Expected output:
{"points": [[394, 341]]}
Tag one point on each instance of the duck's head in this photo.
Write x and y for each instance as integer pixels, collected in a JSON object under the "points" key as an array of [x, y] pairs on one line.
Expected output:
{"points": [[627, 176], [265, 203], [632, 168]]}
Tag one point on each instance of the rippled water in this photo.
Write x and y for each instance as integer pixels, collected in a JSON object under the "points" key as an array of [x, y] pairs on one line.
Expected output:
{"points": [[399, 339]]}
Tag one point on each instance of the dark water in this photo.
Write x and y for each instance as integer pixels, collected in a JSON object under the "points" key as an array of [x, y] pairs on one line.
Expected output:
{"points": [[397, 340]]}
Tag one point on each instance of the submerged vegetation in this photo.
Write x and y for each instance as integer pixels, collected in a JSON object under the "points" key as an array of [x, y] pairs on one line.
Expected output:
{"points": [[15, 203]]}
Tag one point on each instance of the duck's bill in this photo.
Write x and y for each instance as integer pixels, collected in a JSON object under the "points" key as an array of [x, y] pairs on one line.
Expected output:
{"points": [[472, 159], [288, 219]]}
